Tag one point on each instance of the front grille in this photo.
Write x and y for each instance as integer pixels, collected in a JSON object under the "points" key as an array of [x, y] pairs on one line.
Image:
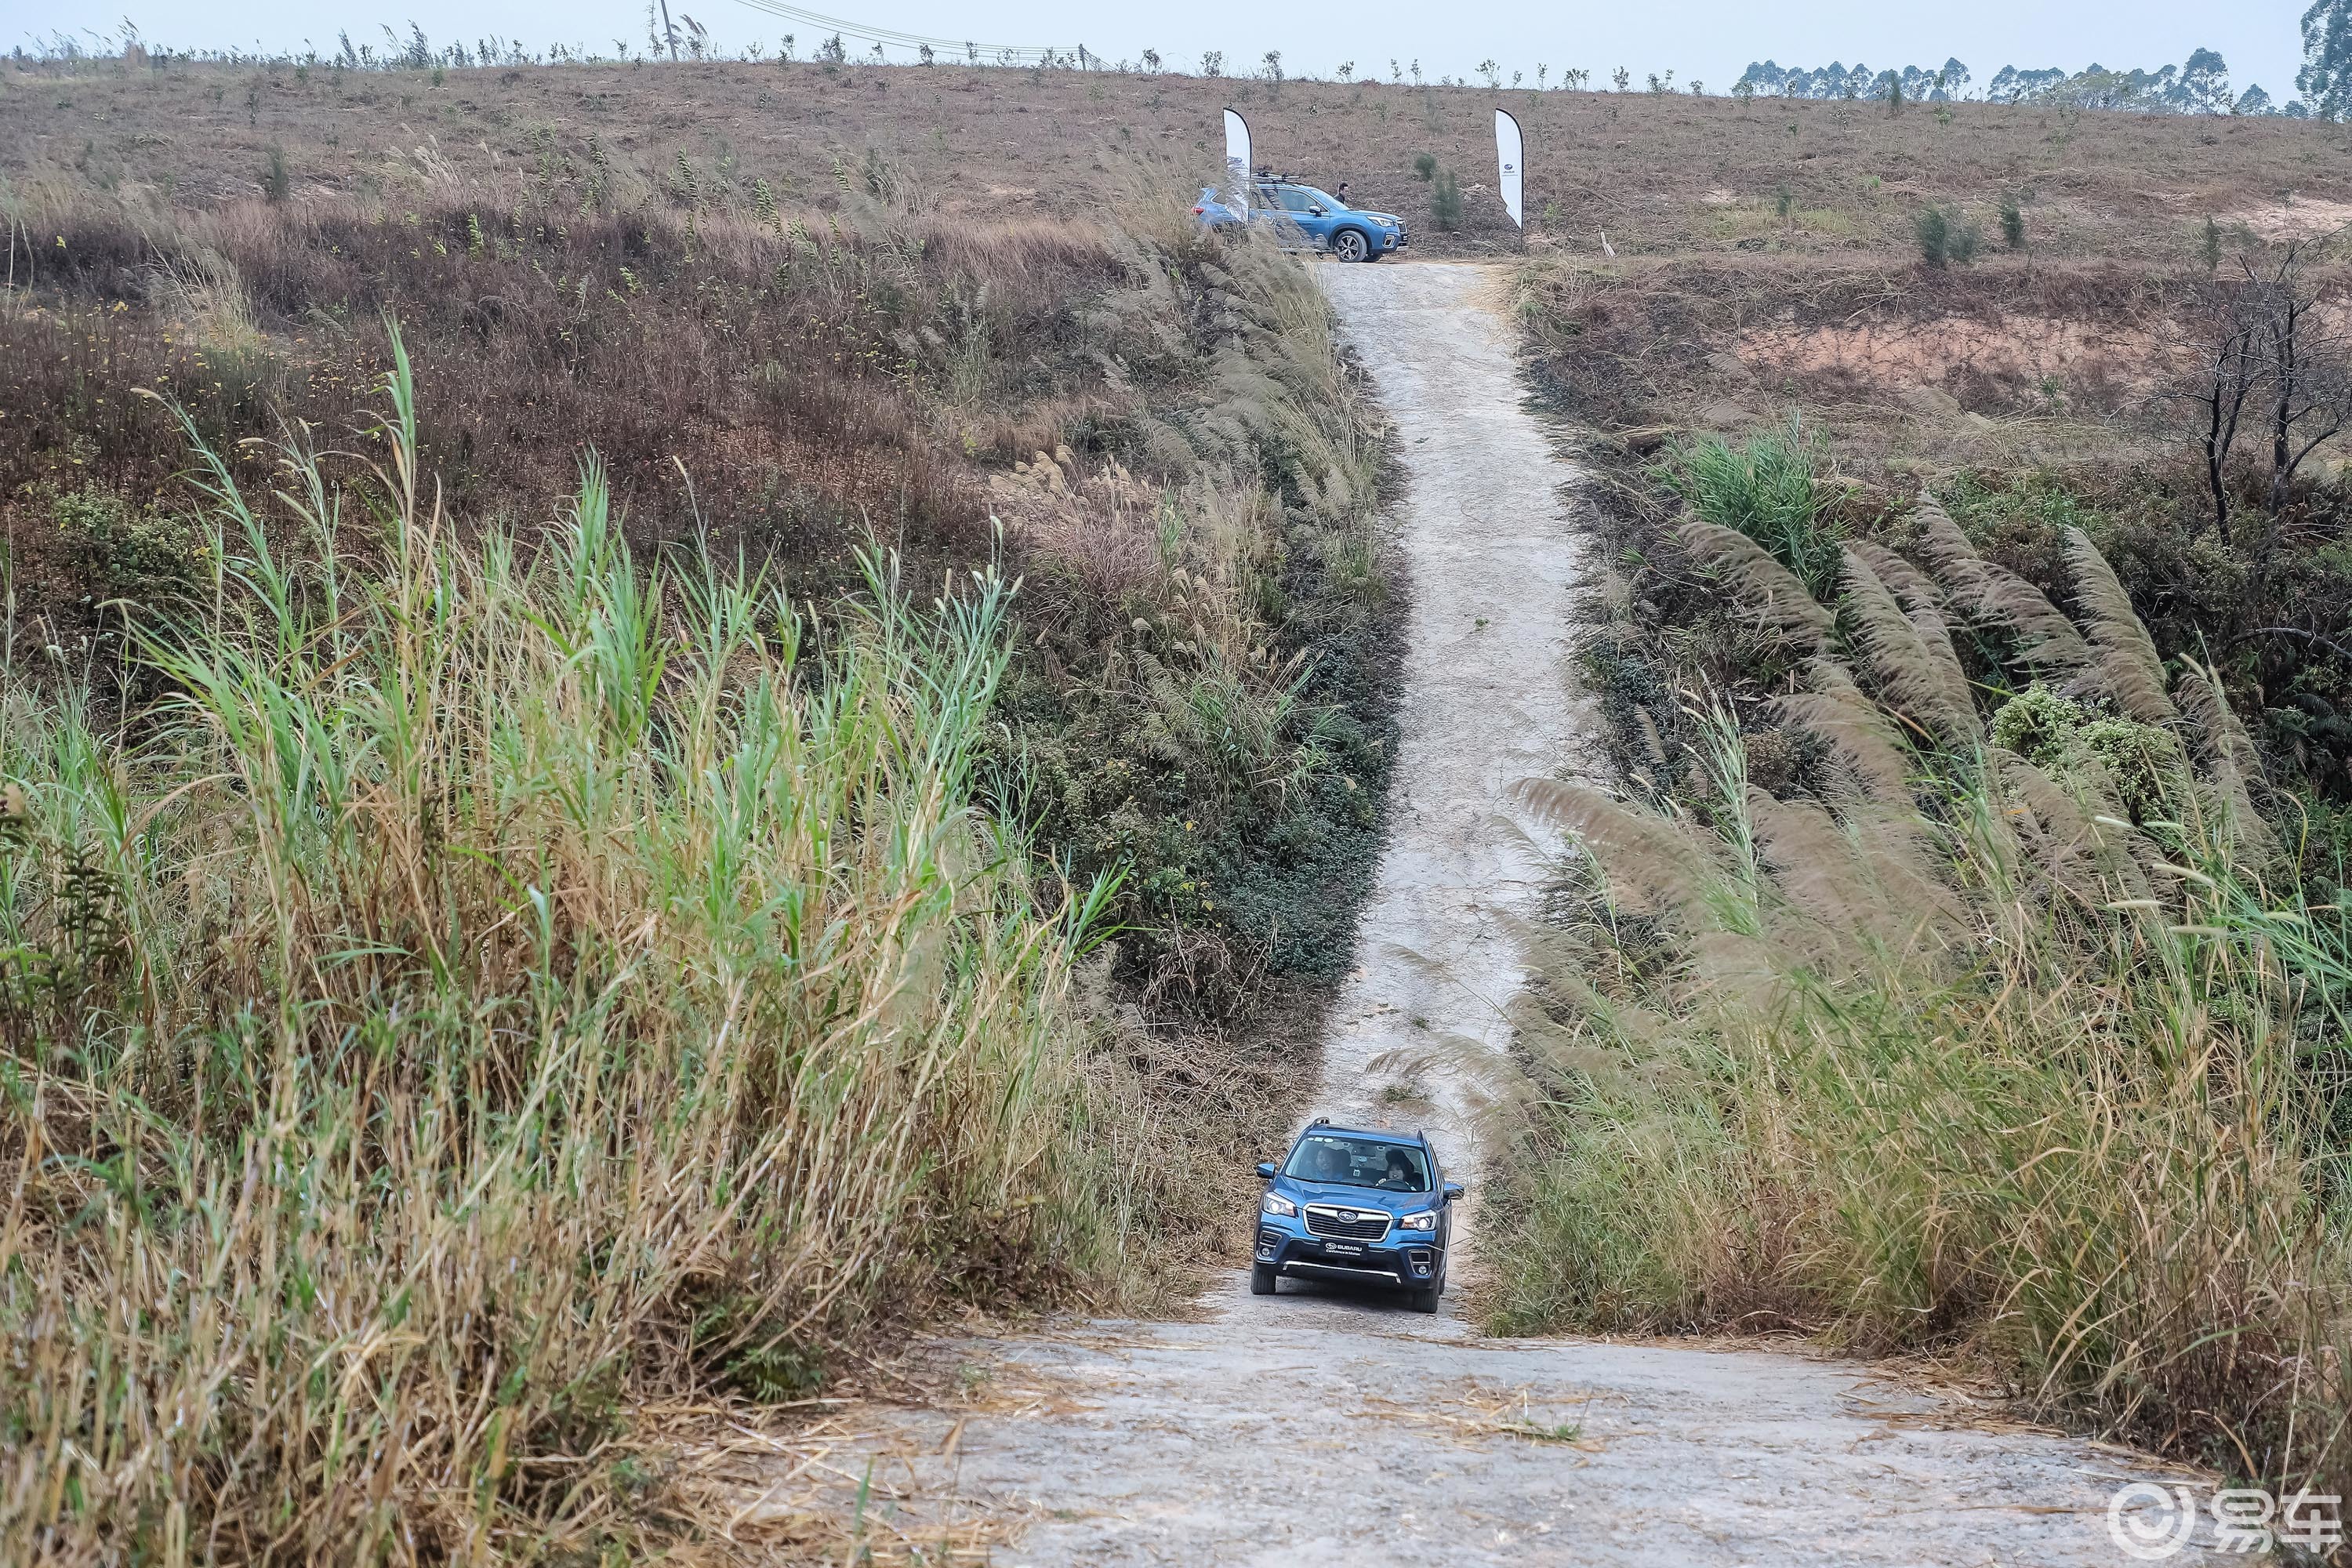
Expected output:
{"points": [[1344, 1224]]}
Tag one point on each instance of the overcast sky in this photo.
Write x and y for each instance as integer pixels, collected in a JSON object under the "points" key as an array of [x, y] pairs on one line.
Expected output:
{"points": [[1710, 40]]}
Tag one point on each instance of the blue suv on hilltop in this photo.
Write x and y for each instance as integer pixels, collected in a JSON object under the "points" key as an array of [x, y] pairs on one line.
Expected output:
{"points": [[1356, 1206], [1308, 219]]}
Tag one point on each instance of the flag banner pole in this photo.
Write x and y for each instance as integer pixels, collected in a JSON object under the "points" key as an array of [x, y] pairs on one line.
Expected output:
{"points": [[1511, 154], [1237, 159]]}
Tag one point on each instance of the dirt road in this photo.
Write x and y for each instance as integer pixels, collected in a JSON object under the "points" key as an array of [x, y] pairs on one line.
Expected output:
{"points": [[1315, 1428], [1490, 699]]}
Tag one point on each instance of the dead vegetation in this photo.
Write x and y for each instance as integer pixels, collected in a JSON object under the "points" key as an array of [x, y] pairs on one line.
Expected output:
{"points": [[1662, 174]]}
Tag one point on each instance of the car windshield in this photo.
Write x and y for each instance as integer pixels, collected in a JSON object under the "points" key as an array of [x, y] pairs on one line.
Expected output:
{"points": [[1359, 1163]]}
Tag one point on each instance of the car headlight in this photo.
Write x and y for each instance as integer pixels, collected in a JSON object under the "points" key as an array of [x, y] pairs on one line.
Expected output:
{"points": [[1275, 1203], [1425, 1220]]}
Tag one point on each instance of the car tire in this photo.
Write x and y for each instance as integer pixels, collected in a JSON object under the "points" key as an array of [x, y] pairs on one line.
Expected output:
{"points": [[1425, 1298], [1350, 245], [1262, 1278]]}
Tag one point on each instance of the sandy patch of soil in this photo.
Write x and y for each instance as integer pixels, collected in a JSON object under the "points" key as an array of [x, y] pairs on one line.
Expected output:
{"points": [[2005, 359], [2304, 218]]}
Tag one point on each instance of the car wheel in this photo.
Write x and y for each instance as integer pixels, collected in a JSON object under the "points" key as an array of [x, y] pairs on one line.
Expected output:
{"points": [[1425, 1298], [1350, 245], [1262, 1278]]}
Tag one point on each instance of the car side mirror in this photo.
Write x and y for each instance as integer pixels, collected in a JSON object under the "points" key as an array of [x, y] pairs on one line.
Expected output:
{"points": [[1318, 212], [1266, 1170], [1453, 1191]]}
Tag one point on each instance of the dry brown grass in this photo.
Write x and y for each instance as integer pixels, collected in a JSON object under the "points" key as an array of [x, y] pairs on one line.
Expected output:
{"points": [[792, 370], [2012, 363], [1662, 175]]}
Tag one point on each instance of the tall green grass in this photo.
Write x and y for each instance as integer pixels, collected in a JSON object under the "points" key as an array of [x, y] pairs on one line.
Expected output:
{"points": [[1945, 1046], [498, 988], [1764, 488]]}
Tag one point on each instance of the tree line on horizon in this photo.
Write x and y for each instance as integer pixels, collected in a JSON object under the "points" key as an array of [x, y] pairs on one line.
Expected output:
{"points": [[2199, 86]]}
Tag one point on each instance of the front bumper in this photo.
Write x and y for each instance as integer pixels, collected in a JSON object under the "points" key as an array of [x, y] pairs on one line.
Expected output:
{"points": [[1403, 1260]]}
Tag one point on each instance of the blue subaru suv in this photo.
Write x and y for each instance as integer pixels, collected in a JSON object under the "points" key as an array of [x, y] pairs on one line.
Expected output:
{"points": [[1308, 219], [1356, 1206]]}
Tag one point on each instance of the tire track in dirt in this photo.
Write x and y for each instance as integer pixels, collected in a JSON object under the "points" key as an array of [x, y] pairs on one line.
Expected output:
{"points": [[1317, 1427]]}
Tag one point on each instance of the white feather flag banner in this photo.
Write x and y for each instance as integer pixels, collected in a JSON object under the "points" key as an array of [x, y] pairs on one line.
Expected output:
{"points": [[1511, 152], [1237, 159]]}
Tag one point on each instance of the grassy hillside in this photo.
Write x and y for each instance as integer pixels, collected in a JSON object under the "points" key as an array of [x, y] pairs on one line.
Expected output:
{"points": [[1659, 173]]}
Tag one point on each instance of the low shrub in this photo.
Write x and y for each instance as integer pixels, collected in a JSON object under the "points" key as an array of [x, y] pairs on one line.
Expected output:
{"points": [[1947, 236], [1446, 202]]}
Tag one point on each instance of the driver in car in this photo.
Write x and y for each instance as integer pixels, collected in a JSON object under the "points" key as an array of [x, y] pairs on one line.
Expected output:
{"points": [[1400, 1176]]}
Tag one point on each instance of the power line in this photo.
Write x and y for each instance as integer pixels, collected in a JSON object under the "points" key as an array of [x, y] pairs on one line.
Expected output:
{"points": [[986, 53]]}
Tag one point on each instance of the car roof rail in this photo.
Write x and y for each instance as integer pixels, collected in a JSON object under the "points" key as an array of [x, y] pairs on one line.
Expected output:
{"points": [[1320, 1121]]}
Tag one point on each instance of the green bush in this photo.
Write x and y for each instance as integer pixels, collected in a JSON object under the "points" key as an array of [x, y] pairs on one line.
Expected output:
{"points": [[2114, 759], [1946, 236], [1446, 202], [142, 557], [1967, 239], [1424, 165]]}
